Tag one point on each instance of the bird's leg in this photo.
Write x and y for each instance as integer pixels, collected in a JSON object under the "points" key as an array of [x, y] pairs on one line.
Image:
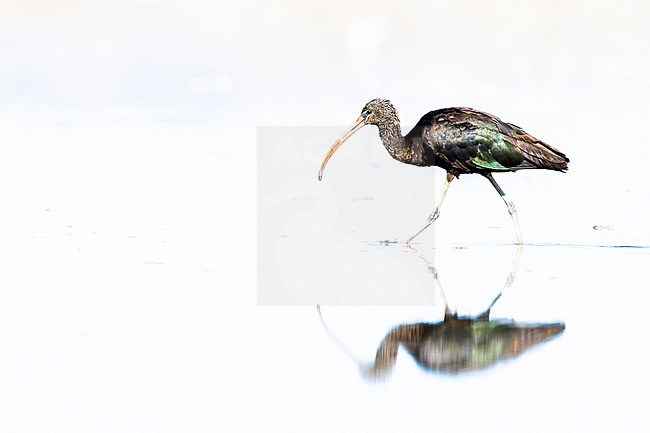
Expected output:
{"points": [[511, 279], [511, 207], [436, 213], [441, 291]]}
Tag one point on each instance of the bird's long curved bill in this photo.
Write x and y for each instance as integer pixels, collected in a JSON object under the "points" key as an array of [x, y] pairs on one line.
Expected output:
{"points": [[358, 124]]}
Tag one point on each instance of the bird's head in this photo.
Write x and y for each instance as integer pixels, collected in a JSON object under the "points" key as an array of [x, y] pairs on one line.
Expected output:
{"points": [[376, 112]]}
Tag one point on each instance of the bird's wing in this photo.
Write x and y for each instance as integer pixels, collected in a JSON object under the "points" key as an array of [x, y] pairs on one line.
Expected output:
{"points": [[538, 153], [470, 140]]}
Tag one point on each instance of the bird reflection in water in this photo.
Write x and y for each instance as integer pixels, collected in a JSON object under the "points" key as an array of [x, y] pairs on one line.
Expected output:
{"points": [[459, 344]]}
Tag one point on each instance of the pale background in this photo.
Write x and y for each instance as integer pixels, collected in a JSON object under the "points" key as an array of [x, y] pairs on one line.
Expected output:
{"points": [[128, 177]]}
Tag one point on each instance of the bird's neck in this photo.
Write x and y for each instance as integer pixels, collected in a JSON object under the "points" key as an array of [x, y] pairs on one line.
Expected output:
{"points": [[398, 146], [391, 136], [407, 335]]}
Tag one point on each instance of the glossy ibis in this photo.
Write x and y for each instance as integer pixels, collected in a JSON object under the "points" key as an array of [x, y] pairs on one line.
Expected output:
{"points": [[460, 344], [461, 141], [457, 344]]}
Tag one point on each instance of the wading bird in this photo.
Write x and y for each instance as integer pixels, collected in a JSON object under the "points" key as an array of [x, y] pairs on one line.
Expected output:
{"points": [[457, 344], [459, 140]]}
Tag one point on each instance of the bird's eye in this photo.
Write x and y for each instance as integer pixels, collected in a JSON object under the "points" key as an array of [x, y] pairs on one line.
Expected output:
{"points": [[367, 112]]}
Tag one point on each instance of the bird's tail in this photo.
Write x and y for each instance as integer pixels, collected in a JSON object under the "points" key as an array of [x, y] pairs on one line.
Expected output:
{"points": [[540, 154]]}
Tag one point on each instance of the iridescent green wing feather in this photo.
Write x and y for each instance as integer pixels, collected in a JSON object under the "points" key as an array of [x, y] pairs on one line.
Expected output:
{"points": [[470, 140]]}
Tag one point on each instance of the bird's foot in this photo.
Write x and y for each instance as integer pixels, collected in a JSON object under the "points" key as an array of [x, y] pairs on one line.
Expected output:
{"points": [[434, 216]]}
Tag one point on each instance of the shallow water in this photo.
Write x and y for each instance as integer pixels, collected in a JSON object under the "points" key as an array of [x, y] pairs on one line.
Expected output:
{"points": [[576, 269], [162, 252], [124, 294], [590, 377], [134, 296]]}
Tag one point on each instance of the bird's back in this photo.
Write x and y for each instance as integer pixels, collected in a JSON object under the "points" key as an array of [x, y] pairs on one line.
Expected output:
{"points": [[463, 140]]}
